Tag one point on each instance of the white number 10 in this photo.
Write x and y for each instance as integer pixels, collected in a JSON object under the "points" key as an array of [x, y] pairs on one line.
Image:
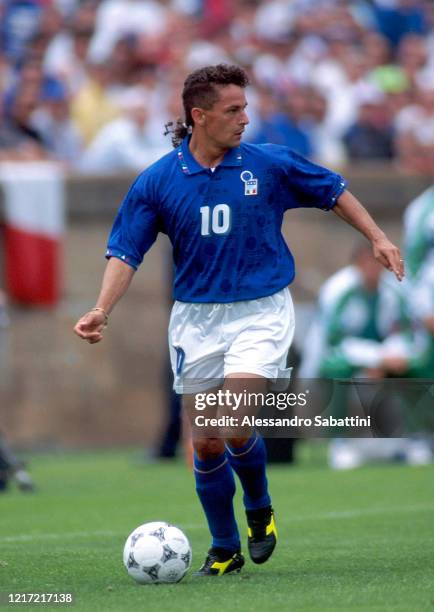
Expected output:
{"points": [[220, 219]]}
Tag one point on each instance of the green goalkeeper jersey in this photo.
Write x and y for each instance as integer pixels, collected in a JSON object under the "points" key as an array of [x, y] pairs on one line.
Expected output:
{"points": [[419, 258], [354, 327]]}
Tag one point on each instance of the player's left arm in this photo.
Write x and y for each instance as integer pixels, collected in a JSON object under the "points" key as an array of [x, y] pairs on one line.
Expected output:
{"points": [[353, 212]]}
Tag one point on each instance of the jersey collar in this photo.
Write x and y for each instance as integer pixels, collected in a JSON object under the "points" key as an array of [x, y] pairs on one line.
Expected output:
{"points": [[189, 165]]}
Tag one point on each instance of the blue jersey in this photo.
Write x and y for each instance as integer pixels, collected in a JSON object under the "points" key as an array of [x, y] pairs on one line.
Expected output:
{"points": [[224, 225]]}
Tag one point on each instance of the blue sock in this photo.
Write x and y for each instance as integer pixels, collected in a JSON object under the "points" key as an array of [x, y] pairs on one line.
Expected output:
{"points": [[215, 486], [249, 463]]}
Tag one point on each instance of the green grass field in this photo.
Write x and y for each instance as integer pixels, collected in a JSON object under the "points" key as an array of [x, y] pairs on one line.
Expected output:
{"points": [[359, 540]]}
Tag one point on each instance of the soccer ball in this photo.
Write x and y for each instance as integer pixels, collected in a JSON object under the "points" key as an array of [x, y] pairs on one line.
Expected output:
{"points": [[156, 553]]}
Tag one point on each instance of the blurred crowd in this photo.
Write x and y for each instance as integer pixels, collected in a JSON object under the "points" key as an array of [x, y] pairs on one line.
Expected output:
{"points": [[91, 83]]}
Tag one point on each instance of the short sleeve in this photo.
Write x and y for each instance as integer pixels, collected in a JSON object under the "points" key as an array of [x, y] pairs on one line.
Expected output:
{"points": [[136, 225], [309, 185]]}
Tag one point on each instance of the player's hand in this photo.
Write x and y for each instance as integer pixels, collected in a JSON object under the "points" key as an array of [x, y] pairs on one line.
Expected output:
{"points": [[389, 256], [91, 326]]}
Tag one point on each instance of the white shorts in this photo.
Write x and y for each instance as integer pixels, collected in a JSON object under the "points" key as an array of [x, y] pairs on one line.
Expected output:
{"points": [[209, 341]]}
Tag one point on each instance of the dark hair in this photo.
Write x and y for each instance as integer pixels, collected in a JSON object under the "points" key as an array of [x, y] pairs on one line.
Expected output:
{"points": [[200, 89]]}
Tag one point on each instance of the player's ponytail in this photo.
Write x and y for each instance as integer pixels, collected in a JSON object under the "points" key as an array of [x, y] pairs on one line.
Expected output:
{"points": [[178, 130]]}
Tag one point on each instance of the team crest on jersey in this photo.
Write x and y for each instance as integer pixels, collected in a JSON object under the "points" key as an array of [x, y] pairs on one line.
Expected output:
{"points": [[250, 183]]}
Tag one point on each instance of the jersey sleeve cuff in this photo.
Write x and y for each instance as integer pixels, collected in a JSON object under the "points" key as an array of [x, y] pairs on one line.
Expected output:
{"points": [[338, 188], [131, 261]]}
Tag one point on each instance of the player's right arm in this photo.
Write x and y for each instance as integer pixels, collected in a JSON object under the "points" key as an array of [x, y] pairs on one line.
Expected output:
{"points": [[134, 230], [116, 280]]}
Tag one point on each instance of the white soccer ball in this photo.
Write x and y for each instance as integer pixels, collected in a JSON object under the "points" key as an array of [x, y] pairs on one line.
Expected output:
{"points": [[156, 553]]}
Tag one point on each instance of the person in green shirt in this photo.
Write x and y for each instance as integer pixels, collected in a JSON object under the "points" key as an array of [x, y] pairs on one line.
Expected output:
{"points": [[419, 286], [361, 323], [364, 327]]}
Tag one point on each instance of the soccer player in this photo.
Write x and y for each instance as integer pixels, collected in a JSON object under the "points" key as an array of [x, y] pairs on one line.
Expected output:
{"points": [[222, 203]]}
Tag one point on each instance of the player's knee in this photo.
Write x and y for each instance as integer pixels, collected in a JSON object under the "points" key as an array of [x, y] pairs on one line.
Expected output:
{"points": [[208, 448], [238, 442]]}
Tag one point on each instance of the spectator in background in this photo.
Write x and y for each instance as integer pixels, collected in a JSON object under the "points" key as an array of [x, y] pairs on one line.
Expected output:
{"points": [[384, 72], [49, 25], [19, 23], [370, 137], [123, 63], [68, 52], [19, 140], [376, 49], [92, 107], [397, 18], [414, 126], [20, 137], [30, 75], [53, 122], [116, 19], [123, 144], [413, 57], [328, 148], [342, 82], [276, 126], [27, 74], [274, 19]]}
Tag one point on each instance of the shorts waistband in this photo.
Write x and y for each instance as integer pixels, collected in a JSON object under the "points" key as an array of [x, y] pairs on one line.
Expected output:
{"points": [[217, 305]]}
